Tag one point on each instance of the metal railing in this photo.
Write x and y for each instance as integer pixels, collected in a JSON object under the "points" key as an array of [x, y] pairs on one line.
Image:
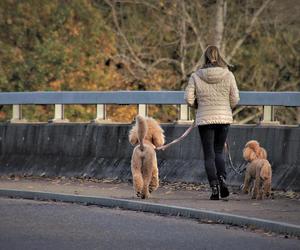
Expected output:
{"points": [[141, 98]]}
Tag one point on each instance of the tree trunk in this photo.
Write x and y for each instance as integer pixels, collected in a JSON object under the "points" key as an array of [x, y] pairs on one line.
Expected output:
{"points": [[217, 36]]}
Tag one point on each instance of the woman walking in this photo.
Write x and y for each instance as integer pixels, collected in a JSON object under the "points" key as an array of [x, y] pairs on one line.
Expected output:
{"points": [[212, 90]]}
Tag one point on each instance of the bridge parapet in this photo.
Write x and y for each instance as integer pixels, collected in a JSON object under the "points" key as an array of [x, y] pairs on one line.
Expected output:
{"points": [[141, 98]]}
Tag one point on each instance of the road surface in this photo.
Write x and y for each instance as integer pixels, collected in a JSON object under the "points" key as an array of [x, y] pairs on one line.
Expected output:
{"points": [[27, 224]]}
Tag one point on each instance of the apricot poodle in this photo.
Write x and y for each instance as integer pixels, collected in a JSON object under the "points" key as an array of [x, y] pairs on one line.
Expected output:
{"points": [[145, 135], [258, 169]]}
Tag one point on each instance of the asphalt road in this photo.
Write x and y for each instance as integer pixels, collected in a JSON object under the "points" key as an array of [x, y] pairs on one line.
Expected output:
{"points": [[26, 224]]}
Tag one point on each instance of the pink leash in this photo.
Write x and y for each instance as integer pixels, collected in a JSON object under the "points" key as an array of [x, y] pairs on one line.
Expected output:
{"points": [[178, 139]]}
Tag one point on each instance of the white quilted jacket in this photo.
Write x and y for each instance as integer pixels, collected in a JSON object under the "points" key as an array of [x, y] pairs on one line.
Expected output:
{"points": [[214, 93]]}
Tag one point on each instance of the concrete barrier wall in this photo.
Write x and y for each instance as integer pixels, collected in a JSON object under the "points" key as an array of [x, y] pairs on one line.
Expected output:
{"points": [[103, 151]]}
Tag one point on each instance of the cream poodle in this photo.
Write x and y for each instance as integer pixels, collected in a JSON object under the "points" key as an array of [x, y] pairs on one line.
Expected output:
{"points": [[145, 135], [259, 169]]}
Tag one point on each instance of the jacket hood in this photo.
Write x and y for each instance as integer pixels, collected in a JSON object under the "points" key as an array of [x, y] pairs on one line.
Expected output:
{"points": [[212, 75]]}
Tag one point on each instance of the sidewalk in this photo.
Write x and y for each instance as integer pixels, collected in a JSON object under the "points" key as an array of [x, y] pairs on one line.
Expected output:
{"points": [[283, 207]]}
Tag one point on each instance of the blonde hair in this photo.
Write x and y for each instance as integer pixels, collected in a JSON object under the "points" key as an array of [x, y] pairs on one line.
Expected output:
{"points": [[212, 58]]}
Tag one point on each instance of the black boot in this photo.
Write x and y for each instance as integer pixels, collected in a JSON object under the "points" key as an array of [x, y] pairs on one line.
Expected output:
{"points": [[215, 192], [223, 187]]}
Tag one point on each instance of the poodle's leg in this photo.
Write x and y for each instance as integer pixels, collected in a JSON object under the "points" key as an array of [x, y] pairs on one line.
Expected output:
{"points": [[260, 190], [267, 187], [145, 192], [137, 177], [256, 185], [154, 183], [247, 181], [147, 174], [138, 184]]}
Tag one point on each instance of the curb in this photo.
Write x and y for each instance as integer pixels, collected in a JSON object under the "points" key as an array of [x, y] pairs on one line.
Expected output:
{"points": [[223, 218]]}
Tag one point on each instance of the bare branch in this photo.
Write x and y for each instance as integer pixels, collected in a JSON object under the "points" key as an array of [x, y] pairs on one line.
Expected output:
{"points": [[145, 3], [250, 118], [196, 66], [195, 29], [162, 60], [116, 22], [248, 30], [291, 86], [238, 110], [290, 46], [126, 62], [183, 42]]}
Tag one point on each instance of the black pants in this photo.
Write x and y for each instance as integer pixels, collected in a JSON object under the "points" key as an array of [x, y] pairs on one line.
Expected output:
{"points": [[213, 138]]}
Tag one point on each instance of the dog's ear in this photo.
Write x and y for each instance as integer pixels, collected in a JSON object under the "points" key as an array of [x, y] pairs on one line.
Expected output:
{"points": [[249, 154], [262, 154], [133, 137], [156, 133], [158, 139], [266, 171]]}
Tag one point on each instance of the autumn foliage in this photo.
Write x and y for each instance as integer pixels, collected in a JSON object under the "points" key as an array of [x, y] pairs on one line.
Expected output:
{"points": [[100, 45]]}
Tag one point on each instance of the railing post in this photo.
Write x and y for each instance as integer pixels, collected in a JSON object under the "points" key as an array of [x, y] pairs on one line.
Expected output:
{"points": [[100, 113], [268, 116], [143, 109], [17, 114], [184, 114], [59, 114]]}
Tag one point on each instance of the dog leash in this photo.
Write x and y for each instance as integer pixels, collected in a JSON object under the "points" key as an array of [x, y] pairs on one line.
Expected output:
{"points": [[178, 139], [240, 168]]}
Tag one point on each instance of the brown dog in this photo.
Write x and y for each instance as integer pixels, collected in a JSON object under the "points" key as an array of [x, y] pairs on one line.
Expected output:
{"points": [[146, 135], [259, 169]]}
